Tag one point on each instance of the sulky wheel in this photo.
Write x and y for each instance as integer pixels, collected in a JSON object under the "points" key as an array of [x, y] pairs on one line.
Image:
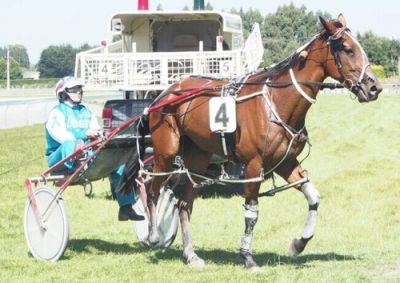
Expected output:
{"points": [[88, 189], [50, 241]]}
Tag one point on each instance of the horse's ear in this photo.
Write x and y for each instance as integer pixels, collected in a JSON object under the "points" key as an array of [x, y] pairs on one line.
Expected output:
{"points": [[324, 23], [342, 20], [328, 25]]}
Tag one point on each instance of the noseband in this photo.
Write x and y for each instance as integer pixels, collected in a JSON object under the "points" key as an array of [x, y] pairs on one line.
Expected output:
{"points": [[335, 42]]}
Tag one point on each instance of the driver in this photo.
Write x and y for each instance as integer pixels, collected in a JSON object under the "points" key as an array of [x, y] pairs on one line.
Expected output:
{"points": [[69, 126]]}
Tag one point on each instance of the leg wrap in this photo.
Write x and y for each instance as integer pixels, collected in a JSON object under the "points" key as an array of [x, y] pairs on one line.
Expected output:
{"points": [[251, 216], [153, 231], [312, 196]]}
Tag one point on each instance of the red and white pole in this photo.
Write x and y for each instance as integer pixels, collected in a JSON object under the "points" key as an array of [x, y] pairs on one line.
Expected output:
{"points": [[143, 4]]}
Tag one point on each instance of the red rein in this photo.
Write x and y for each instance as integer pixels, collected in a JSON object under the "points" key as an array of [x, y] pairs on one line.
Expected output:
{"points": [[184, 94]]}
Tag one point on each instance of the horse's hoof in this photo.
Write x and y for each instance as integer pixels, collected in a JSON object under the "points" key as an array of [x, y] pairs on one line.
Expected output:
{"points": [[249, 263], [152, 242], [196, 262], [295, 247], [255, 268], [153, 239]]}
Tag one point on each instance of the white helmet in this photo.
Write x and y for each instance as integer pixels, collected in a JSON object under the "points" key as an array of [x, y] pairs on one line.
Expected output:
{"points": [[68, 85]]}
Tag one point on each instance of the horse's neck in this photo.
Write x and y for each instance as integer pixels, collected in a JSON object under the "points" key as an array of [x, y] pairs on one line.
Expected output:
{"points": [[290, 103]]}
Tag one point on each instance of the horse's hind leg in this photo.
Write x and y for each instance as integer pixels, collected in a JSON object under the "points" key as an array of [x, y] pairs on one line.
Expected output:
{"points": [[196, 160], [292, 172]]}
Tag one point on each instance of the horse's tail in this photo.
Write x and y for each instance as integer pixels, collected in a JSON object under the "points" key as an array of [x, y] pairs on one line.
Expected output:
{"points": [[132, 165]]}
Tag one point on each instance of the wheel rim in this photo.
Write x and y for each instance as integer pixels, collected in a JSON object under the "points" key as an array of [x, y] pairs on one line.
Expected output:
{"points": [[49, 243]]}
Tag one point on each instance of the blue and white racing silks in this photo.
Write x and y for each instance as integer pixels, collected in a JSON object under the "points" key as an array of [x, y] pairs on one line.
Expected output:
{"points": [[68, 122]]}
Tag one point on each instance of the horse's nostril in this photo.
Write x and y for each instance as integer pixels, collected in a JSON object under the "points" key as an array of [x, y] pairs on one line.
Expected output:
{"points": [[375, 89]]}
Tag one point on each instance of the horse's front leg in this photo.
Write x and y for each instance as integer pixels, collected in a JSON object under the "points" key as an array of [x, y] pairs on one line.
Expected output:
{"points": [[165, 140], [152, 196], [293, 172], [250, 215], [162, 164]]}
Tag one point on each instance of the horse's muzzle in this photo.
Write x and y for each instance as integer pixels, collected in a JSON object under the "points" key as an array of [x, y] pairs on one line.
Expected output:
{"points": [[367, 92]]}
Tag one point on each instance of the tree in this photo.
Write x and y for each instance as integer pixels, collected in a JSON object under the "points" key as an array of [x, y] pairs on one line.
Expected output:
{"points": [[159, 7], [249, 18], [15, 69], [286, 30], [209, 7], [379, 71], [57, 61], [18, 52], [381, 51], [85, 47]]}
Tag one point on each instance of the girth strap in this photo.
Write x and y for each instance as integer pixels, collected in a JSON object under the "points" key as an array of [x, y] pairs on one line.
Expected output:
{"points": [[228, 145]]}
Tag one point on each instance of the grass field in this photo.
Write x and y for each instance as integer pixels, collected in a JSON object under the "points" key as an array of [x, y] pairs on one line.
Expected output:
{"points": [[355, 162]]}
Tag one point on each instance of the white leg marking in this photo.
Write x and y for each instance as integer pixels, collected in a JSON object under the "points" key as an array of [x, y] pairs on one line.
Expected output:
{"points": [[312, 196]]}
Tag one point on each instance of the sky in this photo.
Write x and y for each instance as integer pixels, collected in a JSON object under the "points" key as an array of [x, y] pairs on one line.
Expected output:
{"points": [[37, 24]]}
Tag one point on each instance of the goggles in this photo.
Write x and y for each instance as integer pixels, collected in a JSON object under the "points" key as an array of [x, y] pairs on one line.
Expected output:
{"points": [[74, 89]]}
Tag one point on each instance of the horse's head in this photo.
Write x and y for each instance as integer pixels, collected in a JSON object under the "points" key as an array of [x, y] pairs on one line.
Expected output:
{"points": [[350, 65]]}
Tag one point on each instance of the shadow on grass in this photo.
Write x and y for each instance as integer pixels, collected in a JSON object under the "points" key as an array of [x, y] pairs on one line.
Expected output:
{"points": [[216, 256], [215, 191], [88, 245], [222, 257]]}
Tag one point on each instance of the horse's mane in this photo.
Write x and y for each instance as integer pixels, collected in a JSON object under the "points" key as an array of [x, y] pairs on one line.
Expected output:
{"points": [[275, 70]]}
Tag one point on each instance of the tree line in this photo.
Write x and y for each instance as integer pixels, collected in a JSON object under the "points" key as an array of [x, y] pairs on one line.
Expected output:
{"points": [[282, 32], [55, 61], [290, 27]]}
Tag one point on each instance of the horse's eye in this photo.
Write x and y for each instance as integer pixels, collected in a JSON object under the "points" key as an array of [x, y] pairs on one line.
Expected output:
{"points": [[348, 50]]}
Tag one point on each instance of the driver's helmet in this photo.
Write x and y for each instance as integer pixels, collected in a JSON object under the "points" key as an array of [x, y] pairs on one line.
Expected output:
{"points": [[68, 85]]}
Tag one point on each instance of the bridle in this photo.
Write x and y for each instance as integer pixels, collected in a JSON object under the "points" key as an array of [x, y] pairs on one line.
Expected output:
{"points": [[335, 45], [335, 42]]}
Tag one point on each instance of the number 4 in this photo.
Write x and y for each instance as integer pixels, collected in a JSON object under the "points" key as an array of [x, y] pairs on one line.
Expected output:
{"points": [[221, 116]]}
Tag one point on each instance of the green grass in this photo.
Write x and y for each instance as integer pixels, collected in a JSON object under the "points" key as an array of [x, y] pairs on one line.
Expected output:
{"points": [[355, 162]]}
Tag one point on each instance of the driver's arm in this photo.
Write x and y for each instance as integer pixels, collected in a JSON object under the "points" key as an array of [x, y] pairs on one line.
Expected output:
{"points": [[56, 127]]}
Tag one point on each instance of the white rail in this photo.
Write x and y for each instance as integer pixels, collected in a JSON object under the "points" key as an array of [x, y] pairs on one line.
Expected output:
{"points": [[154, 71]]}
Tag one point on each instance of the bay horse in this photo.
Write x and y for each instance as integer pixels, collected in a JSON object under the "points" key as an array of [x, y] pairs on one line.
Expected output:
{"points": [[271, 107]]}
